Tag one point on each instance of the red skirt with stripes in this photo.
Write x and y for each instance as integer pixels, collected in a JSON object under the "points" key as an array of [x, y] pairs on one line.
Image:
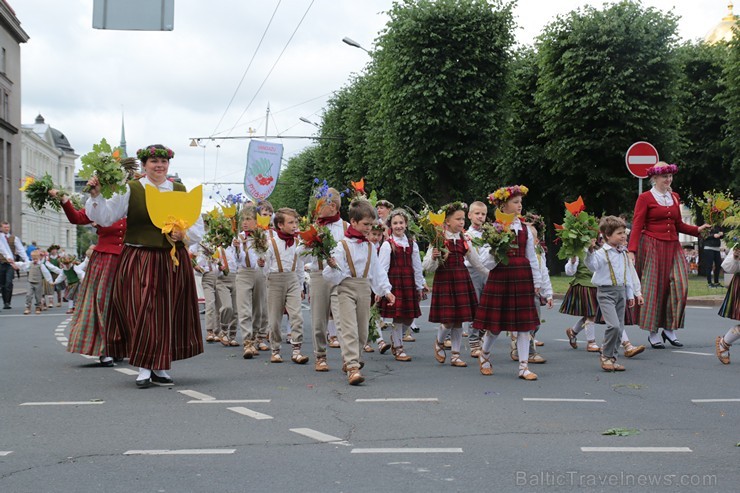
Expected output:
{"points": [[401, 277], [153, 318], [731, 305], [453, 293]]}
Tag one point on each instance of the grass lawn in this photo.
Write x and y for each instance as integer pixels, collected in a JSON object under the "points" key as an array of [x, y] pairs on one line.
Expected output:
{"points": [[697, 285]]}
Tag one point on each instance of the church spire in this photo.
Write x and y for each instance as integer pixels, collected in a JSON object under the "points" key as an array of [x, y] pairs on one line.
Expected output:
{"points": [[123, 138]]}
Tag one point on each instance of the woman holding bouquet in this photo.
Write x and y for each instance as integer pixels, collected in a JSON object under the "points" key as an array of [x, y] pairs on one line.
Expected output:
{"points": [[507, 302], [153, 318], [660, 262]]}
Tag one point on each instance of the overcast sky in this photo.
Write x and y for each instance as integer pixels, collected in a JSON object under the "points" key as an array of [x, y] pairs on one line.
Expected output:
{"points": [[175, 85]]}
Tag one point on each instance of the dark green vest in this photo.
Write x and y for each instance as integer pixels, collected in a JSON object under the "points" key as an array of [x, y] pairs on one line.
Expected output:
{"points": [[71, 276], [139, 228], [583, 275]]}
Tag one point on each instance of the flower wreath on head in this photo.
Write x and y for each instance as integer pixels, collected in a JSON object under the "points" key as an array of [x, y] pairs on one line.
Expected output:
{"points": [[151, 151], [503, 194], [53, 246], [398, 212], [662, 169], [378, 226], [453, 207]]}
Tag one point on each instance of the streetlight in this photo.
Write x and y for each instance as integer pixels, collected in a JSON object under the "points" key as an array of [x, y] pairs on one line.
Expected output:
{"points": [[354, 44], [306, 120]]}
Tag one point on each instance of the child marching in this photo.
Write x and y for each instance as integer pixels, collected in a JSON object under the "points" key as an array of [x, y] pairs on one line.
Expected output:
{"points": [[730, 306]]}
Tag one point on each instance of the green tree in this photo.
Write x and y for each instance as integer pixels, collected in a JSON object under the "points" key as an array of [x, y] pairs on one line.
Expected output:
{"points": [[731, 100], [86, 236], [607, 79]]}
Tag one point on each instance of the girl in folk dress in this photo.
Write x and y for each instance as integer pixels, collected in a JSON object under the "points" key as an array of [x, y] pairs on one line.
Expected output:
{"points": [[730, 306], [376, 236], [399, 257], [507, 302], [453, 293], [580, 301]]}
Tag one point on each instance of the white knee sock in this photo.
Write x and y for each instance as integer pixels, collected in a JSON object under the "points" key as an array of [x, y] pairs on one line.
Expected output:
{"points": [[144, 373], [331, 328], [590, 331], [442, 333], [70, 304], [161, 373], [456, 337], [732, 335], [397, 335], [488, 339], [670, 334], [522, 346], [625, 338], [579, 325]]}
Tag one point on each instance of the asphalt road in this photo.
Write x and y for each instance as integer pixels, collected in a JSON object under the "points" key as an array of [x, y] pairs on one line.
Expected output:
{"points": [[293, 429]]}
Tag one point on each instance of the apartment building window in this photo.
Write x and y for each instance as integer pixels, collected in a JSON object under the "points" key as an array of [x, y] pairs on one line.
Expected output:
{"points": [[3, 56], [6, 106]]}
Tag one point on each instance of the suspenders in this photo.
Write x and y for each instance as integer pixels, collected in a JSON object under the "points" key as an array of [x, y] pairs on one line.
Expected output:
{"points": [[279, 260], [352, 264]]}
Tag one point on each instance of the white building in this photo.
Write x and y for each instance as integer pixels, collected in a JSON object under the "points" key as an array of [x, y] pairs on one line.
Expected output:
{"points": [[46, 150]]}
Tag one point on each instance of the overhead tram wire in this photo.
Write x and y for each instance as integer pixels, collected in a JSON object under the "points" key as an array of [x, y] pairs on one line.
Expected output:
{"points": [[249, 65], [273, 66]]}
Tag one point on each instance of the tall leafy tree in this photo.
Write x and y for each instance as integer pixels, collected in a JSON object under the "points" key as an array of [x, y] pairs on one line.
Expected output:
{"points": [[607, 79], [296, 180], [731, 100]]}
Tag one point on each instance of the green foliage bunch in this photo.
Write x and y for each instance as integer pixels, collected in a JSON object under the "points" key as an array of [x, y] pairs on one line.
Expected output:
{"points": [[37, 193], [105, 163]]}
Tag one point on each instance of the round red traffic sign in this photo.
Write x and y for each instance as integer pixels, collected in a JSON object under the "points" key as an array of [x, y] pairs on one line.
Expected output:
{"points": [[640, 157]]}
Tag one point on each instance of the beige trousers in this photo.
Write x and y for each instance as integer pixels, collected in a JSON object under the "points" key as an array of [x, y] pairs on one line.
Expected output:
{"points": [[226, 293], [251, 303], [353, 298], [284, 294], [321, 303], [212, 304]]}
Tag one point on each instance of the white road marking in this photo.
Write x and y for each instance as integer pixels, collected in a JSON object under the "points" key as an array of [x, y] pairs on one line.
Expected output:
{"points": [[63, 344], [60, 329], [62, 339], [3, 453], [127, 371], [193, 451], [553, 399], [229, 401], [249, 412], [703, 307], [693, 352], [197, 395], [401, 399], [62, 403], [698, 401], [318, 436], [89, 357], [561, 340], [407, 451], [636, 449]]}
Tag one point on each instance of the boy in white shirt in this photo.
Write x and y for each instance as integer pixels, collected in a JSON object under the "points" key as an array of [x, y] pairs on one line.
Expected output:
{"points": [[37, 272], [283, 266], [614, 287], [354, 271]]}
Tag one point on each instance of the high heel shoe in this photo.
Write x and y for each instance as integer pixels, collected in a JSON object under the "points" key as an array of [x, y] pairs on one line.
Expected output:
{"points": [[656, 345], [674, 342]]}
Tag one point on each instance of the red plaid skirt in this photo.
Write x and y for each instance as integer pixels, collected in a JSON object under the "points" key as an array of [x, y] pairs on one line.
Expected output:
{"points": [[401, 277], [453, 293], [153, 317]]}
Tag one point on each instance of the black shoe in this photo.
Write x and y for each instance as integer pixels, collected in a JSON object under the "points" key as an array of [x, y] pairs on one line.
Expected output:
{"points": [[117, 360], [106, 363], [144, 384], [414, 329], [656, 345], [7, 306], [164, 380], [674, 342]]}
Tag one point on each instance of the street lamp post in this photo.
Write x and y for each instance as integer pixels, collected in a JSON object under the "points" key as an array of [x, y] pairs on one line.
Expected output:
{"points": [[306, 120], [354, 44]]}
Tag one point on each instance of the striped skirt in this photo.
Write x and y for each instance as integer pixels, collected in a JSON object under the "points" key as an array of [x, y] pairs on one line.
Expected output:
{"points": [[153, 317], [87, 333], [580, 301], [507, 302], [731, 305], [664, 272]]}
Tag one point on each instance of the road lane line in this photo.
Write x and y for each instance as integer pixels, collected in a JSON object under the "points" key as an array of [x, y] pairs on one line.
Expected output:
{"points": [[714, 400], [318, 436], [702, 307], [3, 453], [91, 357], [62, 403], [553, 399], [407, 451], [230, 401], [62, 339], [127, 371], [401, 399], [693, 352], [197, 395], [249, 412], [636, 449], [194, 451]]}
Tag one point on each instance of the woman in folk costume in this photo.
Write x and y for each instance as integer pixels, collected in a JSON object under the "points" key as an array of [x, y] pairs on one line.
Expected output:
{"points": [[87, 333], [660, 261], [153, 318], [730, 306], [507, 302], [453, 294], [399, 257]]}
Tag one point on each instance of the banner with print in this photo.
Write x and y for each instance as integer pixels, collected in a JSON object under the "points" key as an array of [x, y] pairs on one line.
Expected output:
{"points": [[263, 168]]}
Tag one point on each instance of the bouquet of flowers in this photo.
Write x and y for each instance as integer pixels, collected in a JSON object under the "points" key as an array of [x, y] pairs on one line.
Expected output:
{"points": [[218, 230], [319, 242], [732, 237], [67, 259], [499, 236], [374, 323], [105, 163], [259, 235], [77, 201], [716, 206], [320, 195], [37, 192], [429, 227], [577, 230], [232, 206]]}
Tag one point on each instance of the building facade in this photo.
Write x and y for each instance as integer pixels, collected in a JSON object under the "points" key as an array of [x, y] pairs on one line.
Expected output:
{"points": [[11, 37], [46, 150]]}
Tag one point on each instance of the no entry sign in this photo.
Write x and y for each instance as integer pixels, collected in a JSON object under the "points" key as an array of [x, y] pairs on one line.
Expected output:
{"points": [[640, 157]]}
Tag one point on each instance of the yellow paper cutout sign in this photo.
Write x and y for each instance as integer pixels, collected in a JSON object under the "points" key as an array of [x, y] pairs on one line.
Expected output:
{"points": [[171, 211], [263, 221], [437, 219], [505, 219]]}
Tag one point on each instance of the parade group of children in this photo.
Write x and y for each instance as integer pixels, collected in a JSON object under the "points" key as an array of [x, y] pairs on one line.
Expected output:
{"points": [[376, 260], [51, 276]]}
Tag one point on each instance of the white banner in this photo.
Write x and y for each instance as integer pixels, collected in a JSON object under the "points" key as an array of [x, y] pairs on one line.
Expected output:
{"points": [[263, 168]]}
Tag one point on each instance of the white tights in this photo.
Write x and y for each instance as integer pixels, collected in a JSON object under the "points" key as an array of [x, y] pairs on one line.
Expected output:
{"points": [[522, 344]]}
